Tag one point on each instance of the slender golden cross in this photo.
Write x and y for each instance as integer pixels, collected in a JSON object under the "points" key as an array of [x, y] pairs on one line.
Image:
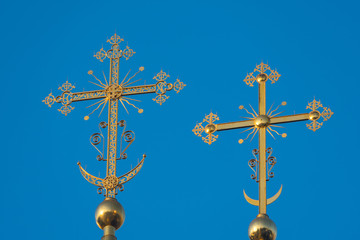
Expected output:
{"points": [[262, 121], [113, 92]]}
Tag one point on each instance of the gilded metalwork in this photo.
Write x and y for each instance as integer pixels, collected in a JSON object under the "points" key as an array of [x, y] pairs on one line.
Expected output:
{"points": [[265, 72], [254, 164], [209, 129], [112, 92], [315, 115], [262, 228], [263, 121]]}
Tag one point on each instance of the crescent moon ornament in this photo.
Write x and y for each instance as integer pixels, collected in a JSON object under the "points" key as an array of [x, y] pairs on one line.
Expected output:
{"points": [[90, 178], [112, 182], [268, 201]]}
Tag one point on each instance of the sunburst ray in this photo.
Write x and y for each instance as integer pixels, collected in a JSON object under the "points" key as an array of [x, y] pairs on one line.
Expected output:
{"points": [[102, 84], [125, 85]]}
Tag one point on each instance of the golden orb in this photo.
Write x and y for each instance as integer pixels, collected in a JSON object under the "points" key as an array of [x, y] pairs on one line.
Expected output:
{"points": [[262, 121], [314, 115], [210, 128], [262, 228], [86, 118], [261, 77], [109, 213]]}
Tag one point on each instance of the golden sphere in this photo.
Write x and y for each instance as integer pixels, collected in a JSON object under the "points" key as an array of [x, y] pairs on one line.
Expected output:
{"points": [[262, 121], [210, 128], [261, 77], [109, 213], [262, 228], [314, 115]]}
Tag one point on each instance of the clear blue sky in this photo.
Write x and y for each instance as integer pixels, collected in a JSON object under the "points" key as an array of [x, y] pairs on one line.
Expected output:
{"points": [[186, 189]]}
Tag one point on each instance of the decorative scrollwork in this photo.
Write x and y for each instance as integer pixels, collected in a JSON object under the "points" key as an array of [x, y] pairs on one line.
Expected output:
{"points": [[123, 155], [128, 136], [271, 161], [103, 124], [95, 139], [254, 165]]}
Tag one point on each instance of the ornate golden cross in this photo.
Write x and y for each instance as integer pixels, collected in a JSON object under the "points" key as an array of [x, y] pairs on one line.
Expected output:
{"points": [[262, 121], [112, 93]]}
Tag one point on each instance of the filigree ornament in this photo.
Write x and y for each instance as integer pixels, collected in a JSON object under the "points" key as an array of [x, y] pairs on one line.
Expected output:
{"points": [[262, 68], [49, 100], [209, 129], [101, 55], [114, 52], [110, 182], [178, 86], [160, 99], [161, 76], [66, 87], [66, 109], [128, 53], [162, 87], [317, 111], [116, 39]]}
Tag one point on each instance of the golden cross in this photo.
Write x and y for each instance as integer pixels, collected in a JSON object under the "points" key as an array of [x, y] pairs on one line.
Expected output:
{"points": [[262, 121], [113, 92]]}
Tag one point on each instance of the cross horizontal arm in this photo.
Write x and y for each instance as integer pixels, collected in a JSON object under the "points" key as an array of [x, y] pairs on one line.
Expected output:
{"points": [[139, 90], [290, 118], [234, 125], [88, 95]]}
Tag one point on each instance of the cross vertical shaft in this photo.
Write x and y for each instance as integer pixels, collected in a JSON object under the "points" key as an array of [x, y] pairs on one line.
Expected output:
{"points": [[262, 150]]}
